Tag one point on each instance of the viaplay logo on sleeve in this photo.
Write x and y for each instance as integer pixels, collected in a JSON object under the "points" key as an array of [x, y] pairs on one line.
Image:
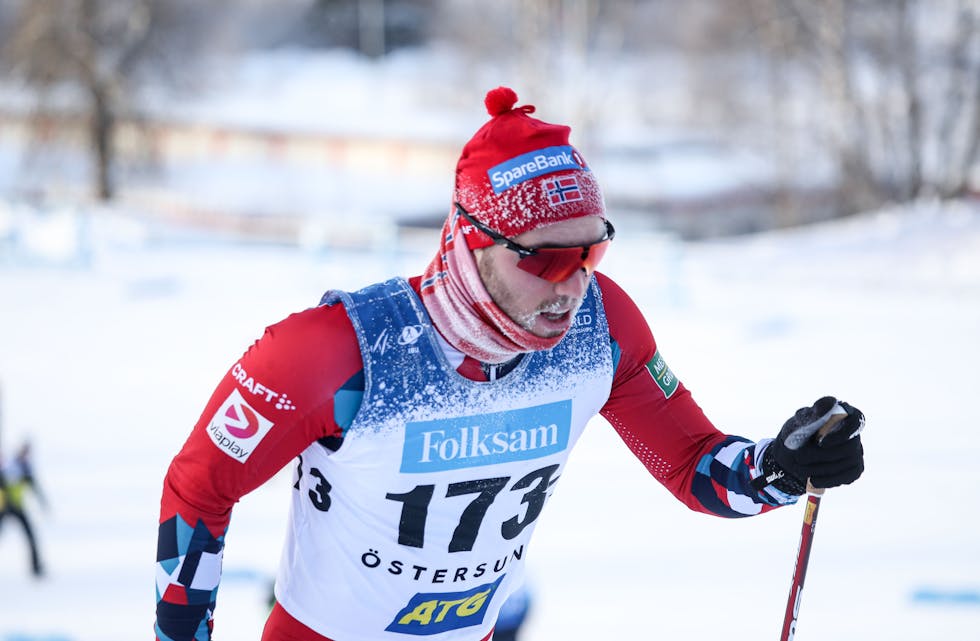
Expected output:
{"points": [[486, 439], [237, 428], [533, 164]]}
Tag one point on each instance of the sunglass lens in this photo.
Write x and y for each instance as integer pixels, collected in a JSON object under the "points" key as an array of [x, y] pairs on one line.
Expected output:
{"points": [[596, 252], [556, 264], [553, 265]]}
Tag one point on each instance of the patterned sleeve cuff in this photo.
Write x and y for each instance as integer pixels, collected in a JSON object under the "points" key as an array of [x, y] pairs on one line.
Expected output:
{"points": [[755, 470]]}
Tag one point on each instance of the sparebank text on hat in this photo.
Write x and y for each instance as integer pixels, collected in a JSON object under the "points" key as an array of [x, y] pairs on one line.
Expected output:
{"points": [[533, 164]]}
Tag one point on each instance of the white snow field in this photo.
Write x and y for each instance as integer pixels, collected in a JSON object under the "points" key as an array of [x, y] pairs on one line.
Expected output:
{"points": [[106, 363]]}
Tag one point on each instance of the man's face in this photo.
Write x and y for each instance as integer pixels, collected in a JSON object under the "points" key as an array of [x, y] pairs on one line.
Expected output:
{"points": [[544, 308]]}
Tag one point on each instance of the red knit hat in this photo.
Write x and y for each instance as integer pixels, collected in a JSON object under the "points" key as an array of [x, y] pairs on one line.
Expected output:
{"points": [[518, 173]]}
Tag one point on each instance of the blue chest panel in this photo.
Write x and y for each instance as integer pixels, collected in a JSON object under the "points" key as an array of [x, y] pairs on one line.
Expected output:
{"points": [[409, 381]]}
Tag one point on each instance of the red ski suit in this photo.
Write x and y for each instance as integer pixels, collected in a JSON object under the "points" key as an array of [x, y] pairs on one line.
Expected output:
{"points": [[300, 368]]}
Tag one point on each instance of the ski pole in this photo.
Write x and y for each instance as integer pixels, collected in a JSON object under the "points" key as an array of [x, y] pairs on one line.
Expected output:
{"points": [[813, 497]]}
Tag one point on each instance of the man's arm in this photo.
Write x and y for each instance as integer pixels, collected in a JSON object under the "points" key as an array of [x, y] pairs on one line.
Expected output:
{"points": [[660, 422], [276, 400]]}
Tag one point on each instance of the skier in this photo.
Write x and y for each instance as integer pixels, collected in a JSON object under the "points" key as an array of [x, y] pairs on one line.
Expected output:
{"points": [[513, 615], [431, 417], [16, 477]]}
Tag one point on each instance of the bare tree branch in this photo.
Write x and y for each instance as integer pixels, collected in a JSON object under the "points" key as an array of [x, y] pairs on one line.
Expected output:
{"points": [[958, 131], [101, 47]]}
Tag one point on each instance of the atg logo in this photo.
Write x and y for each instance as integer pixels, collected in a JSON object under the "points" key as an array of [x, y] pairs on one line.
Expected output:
{"points": [[237, 428], [432, 613], [486, 439]]}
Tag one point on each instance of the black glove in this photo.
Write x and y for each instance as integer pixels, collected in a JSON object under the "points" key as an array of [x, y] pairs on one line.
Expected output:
{"points": [[799, 454]]}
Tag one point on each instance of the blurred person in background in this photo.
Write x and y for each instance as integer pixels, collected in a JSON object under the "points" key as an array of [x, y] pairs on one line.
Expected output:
{"points": [[513, 615], [16, 477], [431, 417]]}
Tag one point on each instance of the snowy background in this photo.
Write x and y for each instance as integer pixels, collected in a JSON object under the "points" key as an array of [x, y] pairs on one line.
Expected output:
{"points": [[114, 328], [107, 364]]}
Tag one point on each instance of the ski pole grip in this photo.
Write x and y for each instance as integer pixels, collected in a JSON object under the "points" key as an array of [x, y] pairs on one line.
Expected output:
{"points": [[826, 429]]}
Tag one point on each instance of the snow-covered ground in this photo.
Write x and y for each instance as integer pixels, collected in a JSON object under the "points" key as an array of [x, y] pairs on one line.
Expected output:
{"points": [[107, 363]]}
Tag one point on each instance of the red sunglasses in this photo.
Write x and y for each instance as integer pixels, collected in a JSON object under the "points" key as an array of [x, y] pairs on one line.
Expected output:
{"points": [[554, 263]]}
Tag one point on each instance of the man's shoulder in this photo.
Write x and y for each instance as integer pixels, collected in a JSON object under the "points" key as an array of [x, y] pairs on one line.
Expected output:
{"points": [[307, 348], [628, 326], [303, 331], [313, 319], [615, 300]]}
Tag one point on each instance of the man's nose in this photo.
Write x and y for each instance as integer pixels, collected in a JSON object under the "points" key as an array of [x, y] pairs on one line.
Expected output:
{"points": [[573, 286]]}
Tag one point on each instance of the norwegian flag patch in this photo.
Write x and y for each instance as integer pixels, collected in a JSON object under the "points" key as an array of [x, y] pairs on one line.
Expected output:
{"points": [[562, 190]]}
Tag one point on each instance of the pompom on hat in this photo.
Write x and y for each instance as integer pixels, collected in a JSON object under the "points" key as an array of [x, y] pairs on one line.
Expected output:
{"points": [[518, 173]]}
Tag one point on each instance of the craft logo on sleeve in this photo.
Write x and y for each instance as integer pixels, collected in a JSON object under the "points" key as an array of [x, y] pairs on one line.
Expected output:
{"points": [[236, 428]]}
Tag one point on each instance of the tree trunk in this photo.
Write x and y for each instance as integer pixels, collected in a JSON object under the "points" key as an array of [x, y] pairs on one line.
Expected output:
{"points": [[959, 130], [371, 27], [909, 72], [102, 126]]}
